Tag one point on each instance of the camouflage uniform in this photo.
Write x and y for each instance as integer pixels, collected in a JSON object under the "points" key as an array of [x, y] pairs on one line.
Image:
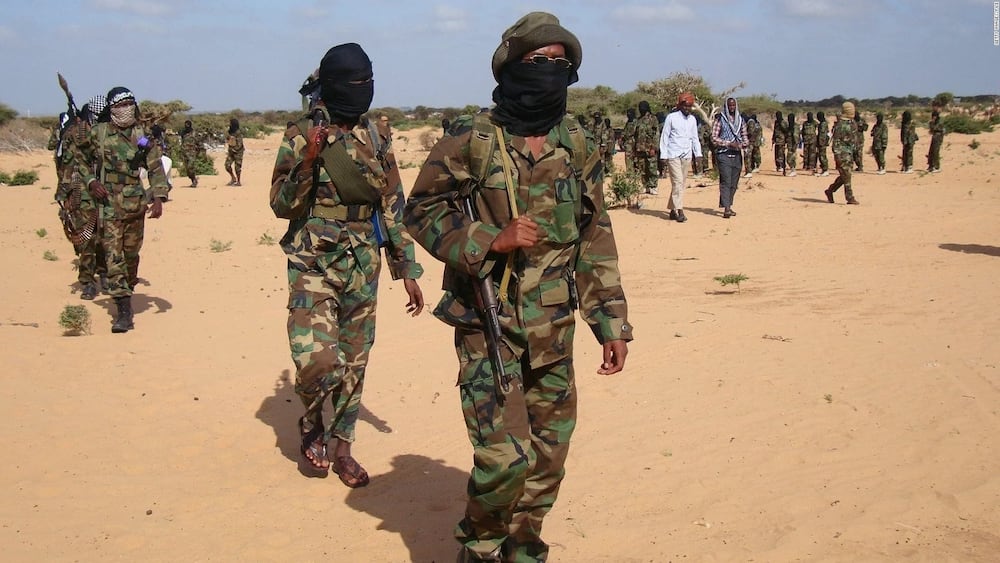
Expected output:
{"points": [[112, 156], [79, 205], [647, 143], [936, 129], [707, 149], [520, 446], [333, 273], [845, 135], [810, 134], [607, 142], [756, 136], [792, 147], [908, 137], [778, 138], [628, 142], [234, 155], [859, 143], [880, 138], [822, 141], [192, 144]]}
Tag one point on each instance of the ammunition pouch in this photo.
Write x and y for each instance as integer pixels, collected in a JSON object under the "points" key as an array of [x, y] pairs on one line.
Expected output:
{"points": [[344, 212]]}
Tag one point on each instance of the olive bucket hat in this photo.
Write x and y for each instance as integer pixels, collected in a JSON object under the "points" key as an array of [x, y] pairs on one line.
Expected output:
{"points": [[532, 31]]}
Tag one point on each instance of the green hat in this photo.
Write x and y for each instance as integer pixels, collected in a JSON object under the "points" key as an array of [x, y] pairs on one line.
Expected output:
{"points": [[532, 31]]}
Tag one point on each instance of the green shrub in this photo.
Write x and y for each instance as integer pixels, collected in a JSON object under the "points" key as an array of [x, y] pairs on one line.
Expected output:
{"points": [[625, 189], [965, 124], [50, 256], [75, 319], [731, 279], [23, 178], [974, 144], [266, 239], [219, 246], [41, 233], [4, 178]]}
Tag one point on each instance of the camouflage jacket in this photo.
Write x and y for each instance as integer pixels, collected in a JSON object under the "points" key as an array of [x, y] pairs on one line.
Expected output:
{"points": [[192, 143], [112, 156], [313, 240], [862, 127], [234, 144], [576, 246], [791, 135], [754, 133], [76, 133], [822, 134], [810, 133], [908, 133], [647, 135], [628, 138], [845, 135], [780, 134], [880, 136], [936, 128]]}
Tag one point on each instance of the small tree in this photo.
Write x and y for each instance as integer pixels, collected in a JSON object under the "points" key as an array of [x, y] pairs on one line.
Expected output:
{"points": [[75, 319], [6, 114], [731, 279]]}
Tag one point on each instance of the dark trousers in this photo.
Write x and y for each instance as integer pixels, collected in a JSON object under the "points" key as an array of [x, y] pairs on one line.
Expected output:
{"points": [[730, 163]]}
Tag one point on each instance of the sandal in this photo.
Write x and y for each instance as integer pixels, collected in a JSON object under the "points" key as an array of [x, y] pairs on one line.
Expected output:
{"points": [[313, 449], [350, 471]]}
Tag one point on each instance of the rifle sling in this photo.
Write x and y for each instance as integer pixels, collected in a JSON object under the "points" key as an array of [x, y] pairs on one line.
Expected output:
{"points": [[351, 185]]}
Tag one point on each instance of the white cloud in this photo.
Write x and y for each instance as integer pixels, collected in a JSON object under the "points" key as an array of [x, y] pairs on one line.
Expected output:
{"points": [[651, 14], [449, 19], [141, 8]]}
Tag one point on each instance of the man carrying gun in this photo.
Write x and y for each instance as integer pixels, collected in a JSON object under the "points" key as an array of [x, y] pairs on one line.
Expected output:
{"points": [[539, 229], [331, 184]]}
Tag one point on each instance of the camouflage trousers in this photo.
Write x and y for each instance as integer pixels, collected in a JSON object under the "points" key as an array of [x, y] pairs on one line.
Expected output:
{"points": [[791, 157], [752, 158], [822, 158], [879, 154], [809, 156], [907, 156], [330, 340], [234, 162], [188, 159], [91, 259], [519, 449], [858, 157], [779, 156], [934, 153], [649, 170], [844, 176], [121, 240]]}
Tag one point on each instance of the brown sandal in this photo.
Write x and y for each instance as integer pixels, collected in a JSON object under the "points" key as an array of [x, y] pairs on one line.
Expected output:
{"points": [[313, 449], [350, 471]]}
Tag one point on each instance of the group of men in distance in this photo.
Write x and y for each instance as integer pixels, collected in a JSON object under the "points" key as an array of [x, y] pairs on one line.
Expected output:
{"points": [[112, 170]]}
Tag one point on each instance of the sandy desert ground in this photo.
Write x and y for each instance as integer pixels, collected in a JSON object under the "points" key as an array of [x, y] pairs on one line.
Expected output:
{"points": [[843, 406]]}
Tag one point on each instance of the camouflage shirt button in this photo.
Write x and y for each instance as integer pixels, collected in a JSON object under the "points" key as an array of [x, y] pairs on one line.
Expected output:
{"points": [[474, 253], [626, 327]]}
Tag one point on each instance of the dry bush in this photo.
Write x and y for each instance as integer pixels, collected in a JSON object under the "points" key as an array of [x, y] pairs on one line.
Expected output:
{"points": [[22, 135], [428, 139]]}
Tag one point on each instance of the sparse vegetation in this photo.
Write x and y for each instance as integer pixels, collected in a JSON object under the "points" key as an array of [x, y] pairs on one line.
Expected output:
{"points": [[957, 123], [974, 144], [828, 398], [41, 233], [20, 178], [75, 319], [219, 246], [50, 256], [625, 190], [730, 279], [266, 240]]}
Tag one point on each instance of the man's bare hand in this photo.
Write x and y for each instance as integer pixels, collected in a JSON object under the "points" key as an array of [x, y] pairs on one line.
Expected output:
{"points": [[615, 352], [416, 303], [156, 208], [521, 232]]}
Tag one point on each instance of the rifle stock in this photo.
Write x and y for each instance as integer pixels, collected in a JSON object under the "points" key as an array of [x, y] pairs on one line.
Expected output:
{"points": [[490, 308]]}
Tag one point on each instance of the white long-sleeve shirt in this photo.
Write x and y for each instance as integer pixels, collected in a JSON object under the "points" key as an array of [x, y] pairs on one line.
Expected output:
{"points": [[679, 138]]}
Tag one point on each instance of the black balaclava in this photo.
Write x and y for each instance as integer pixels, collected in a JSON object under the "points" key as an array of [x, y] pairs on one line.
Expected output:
{"points": [[346, 84], [907, 116], [531, 98], [878, 118], [234, 125], [187, 128], [809, 116], [643, 108], [821, 116], [630, 114], [791, 120]]}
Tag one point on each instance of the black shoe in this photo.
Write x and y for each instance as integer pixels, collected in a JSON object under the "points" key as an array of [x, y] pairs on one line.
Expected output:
{"points": [[89, 291], [829, 195], [680, 216], [124, 321], [727, 214], [673, 215]]}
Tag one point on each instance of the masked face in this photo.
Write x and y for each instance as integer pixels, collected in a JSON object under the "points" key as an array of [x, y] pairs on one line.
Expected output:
{"points": [[123, 114]]}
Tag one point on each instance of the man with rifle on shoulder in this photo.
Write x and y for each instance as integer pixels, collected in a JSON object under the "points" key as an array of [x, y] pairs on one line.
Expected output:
{"points": [[341, 192], [512, 201]]}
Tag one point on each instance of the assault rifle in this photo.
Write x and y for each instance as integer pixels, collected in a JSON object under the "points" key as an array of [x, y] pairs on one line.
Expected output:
{"points": [[489, 307]]}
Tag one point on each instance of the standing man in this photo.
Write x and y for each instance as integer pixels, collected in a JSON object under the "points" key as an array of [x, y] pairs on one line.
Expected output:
{"points": [[729, 135], [908, 137], [550, 254], [822, 141], [678, 144], [778, 138], [756, 136], [810, 136], [234, 152], [937, 139], [607, 141], [628, 140], [339, 186], [859, 143], [792, 139], [647, 141], [880, 138], [845, 134], [109, 161], [191, 145]]}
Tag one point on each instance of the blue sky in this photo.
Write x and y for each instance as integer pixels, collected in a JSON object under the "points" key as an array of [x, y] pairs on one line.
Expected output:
{"points": [[219, 55]]}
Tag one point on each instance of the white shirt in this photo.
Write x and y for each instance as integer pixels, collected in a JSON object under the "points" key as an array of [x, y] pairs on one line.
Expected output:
{"points": [[679, 138]]}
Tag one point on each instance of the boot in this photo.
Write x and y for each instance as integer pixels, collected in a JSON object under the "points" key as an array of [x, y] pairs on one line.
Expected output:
{"points": [[89, 291], [124, 321]]}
